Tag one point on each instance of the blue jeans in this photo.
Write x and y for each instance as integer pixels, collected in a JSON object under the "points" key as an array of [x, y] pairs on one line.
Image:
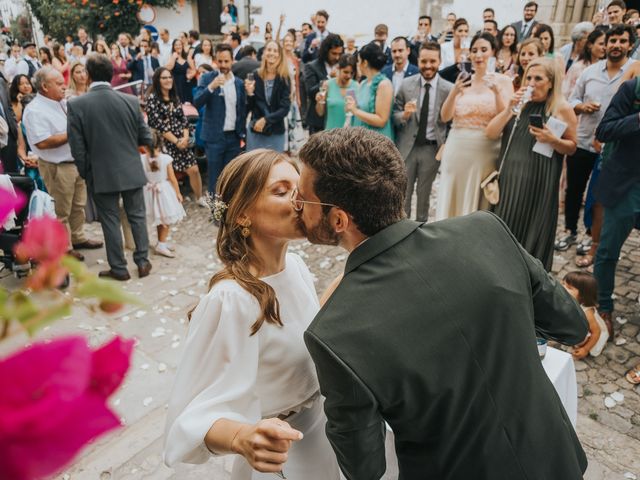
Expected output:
{"points": [[618, 223], [219, 154]]}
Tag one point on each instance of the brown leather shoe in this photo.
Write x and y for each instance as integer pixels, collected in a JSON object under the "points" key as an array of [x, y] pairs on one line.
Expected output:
{"points": [[75, 254], [144, 269], [88, 244], [606, 316], [121, 277]]}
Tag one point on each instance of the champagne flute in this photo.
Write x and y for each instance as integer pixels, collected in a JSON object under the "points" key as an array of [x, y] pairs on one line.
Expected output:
{"points": [[526, 97]]}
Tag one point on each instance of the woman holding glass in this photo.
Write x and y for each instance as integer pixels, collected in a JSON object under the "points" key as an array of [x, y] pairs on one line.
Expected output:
{"points": [[469, 156], [121, 73], [374, 98], [456, 50], [183, 70], [529, 181], [330, 100], [268, 100]]}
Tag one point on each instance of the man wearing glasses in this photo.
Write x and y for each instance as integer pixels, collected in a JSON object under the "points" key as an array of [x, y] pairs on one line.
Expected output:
{"points": [[432, 329]]}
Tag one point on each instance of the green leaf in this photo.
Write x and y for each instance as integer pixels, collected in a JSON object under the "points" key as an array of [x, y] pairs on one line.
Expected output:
{"points": [[75, 267], [47, 316], [105, 290], [22, 308]]}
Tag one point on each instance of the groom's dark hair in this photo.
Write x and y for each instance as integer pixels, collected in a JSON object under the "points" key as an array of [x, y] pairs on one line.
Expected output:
{"points": [[361, 172]]}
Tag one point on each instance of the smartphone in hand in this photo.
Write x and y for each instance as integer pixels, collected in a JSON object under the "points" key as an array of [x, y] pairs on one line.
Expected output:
{"points": [[535, 120]]}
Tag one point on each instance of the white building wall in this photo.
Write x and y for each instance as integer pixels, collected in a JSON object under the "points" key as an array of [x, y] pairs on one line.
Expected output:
{"points": [[182, 20]]}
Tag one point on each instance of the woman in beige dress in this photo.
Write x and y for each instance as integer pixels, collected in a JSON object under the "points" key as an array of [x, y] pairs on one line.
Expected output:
{"points": [[469, 156]]}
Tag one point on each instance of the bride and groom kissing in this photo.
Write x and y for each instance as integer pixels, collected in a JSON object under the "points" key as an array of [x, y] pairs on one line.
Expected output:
{"points": [[431, 330]]}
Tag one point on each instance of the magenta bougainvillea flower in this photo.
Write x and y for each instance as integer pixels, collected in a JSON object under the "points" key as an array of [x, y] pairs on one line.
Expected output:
{"points": [[9, 203], [53, 402], [44, 240]]}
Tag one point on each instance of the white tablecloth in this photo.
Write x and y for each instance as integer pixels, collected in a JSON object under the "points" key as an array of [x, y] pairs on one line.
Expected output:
{"points": [[562, 373]]}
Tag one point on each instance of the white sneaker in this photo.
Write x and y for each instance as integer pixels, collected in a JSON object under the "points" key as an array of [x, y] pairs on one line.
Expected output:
{"points": [[202, 202], [164, 251]]}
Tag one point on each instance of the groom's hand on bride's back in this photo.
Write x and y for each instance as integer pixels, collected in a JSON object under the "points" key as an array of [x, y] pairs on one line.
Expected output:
{"points": [[265, 444]]}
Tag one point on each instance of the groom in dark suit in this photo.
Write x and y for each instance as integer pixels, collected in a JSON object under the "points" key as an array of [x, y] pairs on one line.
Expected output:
{"points": [[105, 128], [432, 329]]}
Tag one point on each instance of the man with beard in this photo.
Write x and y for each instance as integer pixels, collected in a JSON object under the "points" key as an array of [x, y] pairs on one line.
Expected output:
{"points": [[419, 129], [525, 26], [432, 329], [317, 71], [225, 115], [590, 98]]}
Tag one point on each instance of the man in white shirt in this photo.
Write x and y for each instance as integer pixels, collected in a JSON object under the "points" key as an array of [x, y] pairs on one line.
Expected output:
{"points": [[45, 121], [164, 43], [30, 64], [419, 129], [11, 64]]}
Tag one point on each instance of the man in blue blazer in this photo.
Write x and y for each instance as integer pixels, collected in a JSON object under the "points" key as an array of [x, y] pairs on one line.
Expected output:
{"points": [[400, 68], [225, 116], [618, 185]]}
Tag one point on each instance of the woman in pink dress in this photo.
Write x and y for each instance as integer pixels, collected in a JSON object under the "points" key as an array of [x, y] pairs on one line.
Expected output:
{"points": [[121, 74]]}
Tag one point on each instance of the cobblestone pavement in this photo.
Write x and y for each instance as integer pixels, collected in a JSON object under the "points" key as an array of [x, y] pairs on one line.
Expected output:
{"points": [[610, 435]]}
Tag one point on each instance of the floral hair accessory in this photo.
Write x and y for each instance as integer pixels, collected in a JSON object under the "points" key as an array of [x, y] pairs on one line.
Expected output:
{"points": [[218, 207]]}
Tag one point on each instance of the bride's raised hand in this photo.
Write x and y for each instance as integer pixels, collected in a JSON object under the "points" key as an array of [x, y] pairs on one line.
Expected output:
{"points": [[265, 444]]}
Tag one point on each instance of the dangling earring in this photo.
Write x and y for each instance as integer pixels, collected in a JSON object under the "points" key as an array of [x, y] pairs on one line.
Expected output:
{"points": [[245, 232]]}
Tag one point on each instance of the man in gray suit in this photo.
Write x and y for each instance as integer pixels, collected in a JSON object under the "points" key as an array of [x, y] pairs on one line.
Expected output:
{"points": [[105, 128], [419, 130], [525, 26], [432, 329]]}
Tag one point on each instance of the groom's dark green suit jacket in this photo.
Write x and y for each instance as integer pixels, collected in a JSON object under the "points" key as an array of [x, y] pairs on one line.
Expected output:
{"points": [[433, 329]]}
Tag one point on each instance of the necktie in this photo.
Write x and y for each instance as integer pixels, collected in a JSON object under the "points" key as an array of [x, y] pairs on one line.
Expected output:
{"points": [[421, 137], [525, 27]]}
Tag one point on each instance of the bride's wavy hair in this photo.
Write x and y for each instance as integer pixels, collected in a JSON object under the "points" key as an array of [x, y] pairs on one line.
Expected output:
{"points": [[239, 187]]}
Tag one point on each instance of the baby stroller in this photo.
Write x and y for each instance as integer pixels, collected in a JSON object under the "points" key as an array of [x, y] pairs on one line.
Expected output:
{"points": [[9, 238]]}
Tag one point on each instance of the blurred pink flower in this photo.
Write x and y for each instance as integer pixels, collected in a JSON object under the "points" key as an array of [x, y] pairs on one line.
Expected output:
{"points": [[44, 239], [53, 402], [9, 203]]}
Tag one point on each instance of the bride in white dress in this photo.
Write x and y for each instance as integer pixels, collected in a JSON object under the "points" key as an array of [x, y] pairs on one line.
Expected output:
{"points": [[246, 383]]}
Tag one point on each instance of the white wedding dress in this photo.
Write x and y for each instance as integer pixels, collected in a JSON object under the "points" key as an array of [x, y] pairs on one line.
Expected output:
{"points": [[226, 373]]}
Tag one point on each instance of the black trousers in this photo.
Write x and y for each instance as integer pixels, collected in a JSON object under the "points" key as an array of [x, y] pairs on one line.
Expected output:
{"points": [[579, 168]]}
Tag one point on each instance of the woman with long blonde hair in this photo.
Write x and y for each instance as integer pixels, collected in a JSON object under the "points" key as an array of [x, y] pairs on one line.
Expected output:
{"points": [[529, 181], [78, 80], [246, 383], [269, 100]]}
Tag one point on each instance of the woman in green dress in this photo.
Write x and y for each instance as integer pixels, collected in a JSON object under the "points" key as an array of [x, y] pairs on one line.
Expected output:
{"points": [[330, 103], [529, 181], [372, 106]]}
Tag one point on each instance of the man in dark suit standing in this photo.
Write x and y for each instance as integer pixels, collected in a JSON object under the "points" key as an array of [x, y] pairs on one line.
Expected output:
{"points": [[248, 62], [8, 154], [618, 186], [401, 67], [105, 128], [225, 115], [315, 73], [523, 27], [381, 34], [143, 64], [432, 329]]}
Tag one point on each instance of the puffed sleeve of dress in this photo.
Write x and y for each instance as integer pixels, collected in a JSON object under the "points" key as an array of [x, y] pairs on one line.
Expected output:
{"points": [[216, 375]]}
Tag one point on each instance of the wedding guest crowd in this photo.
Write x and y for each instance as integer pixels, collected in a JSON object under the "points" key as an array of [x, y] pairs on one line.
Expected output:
{"points": [[527, 107]]}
